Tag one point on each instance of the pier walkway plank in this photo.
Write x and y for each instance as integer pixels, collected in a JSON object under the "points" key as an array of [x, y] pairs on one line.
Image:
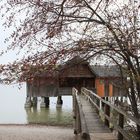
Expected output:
{"points": [[96, 128]]}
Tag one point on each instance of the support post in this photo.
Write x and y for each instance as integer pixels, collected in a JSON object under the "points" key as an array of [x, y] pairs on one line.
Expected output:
{"points": [[121, 124], [34, 101], [59, 101], [47, 101], [28, 102], [42, 104]]}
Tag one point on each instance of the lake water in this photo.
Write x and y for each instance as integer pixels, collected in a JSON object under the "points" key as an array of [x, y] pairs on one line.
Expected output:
{"points": [[12, 109]]}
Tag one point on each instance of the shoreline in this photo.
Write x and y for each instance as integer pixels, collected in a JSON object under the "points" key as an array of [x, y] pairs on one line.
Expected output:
{"points": [[35, 132], [36, 124]]}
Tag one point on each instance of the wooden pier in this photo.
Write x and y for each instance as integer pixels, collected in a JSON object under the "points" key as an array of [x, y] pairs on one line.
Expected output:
{"points": [[89, 125], [92, 126], [96, 127]]}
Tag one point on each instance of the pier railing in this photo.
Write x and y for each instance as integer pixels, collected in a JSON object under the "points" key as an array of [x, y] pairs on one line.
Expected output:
{"points": [[104, 108], [80, 122]]}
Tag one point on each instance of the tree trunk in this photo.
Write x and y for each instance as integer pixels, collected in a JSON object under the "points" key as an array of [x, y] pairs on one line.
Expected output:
{"points": [[133, 101]]}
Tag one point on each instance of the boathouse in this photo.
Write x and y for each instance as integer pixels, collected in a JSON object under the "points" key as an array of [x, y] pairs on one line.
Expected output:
{"points": [[104, 80]]}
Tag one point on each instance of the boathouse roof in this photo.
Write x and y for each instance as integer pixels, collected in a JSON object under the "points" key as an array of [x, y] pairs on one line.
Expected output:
{"points": [[106, 71], [97, 70]]}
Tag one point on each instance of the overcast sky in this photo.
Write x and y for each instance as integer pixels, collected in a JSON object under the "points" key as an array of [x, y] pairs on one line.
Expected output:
{"points": [[11, 55], [8, 57], [3, 35]]}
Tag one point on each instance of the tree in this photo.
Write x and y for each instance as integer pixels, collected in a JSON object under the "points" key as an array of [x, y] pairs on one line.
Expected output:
{"points": [[58, 30]]}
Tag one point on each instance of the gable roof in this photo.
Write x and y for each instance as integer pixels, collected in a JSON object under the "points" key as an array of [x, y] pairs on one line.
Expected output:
{"points": [[96, 70], [76, 60], [106, 71], [72, 62]]}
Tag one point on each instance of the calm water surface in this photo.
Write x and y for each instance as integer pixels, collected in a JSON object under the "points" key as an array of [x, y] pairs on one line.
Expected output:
{"points": [[12, 109]]}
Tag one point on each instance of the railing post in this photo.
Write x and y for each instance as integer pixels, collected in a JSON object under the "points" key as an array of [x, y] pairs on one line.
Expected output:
{"points": [[76, 119], [121, 124], [98, 104], [74, 105], [77, 124], [74, 111], [107, 112]]}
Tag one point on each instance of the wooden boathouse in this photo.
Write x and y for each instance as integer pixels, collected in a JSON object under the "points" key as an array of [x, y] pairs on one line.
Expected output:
{"points": [[104, 80]]}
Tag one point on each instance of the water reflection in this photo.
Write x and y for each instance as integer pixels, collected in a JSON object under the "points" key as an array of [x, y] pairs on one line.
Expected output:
{"points": [[13, 112], [36, 116], [59, 114], [52, 115]]}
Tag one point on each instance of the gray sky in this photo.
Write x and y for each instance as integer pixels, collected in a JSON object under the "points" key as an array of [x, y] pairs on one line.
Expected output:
{"points": [[3, 35], [8, 57], [12, 55]]}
